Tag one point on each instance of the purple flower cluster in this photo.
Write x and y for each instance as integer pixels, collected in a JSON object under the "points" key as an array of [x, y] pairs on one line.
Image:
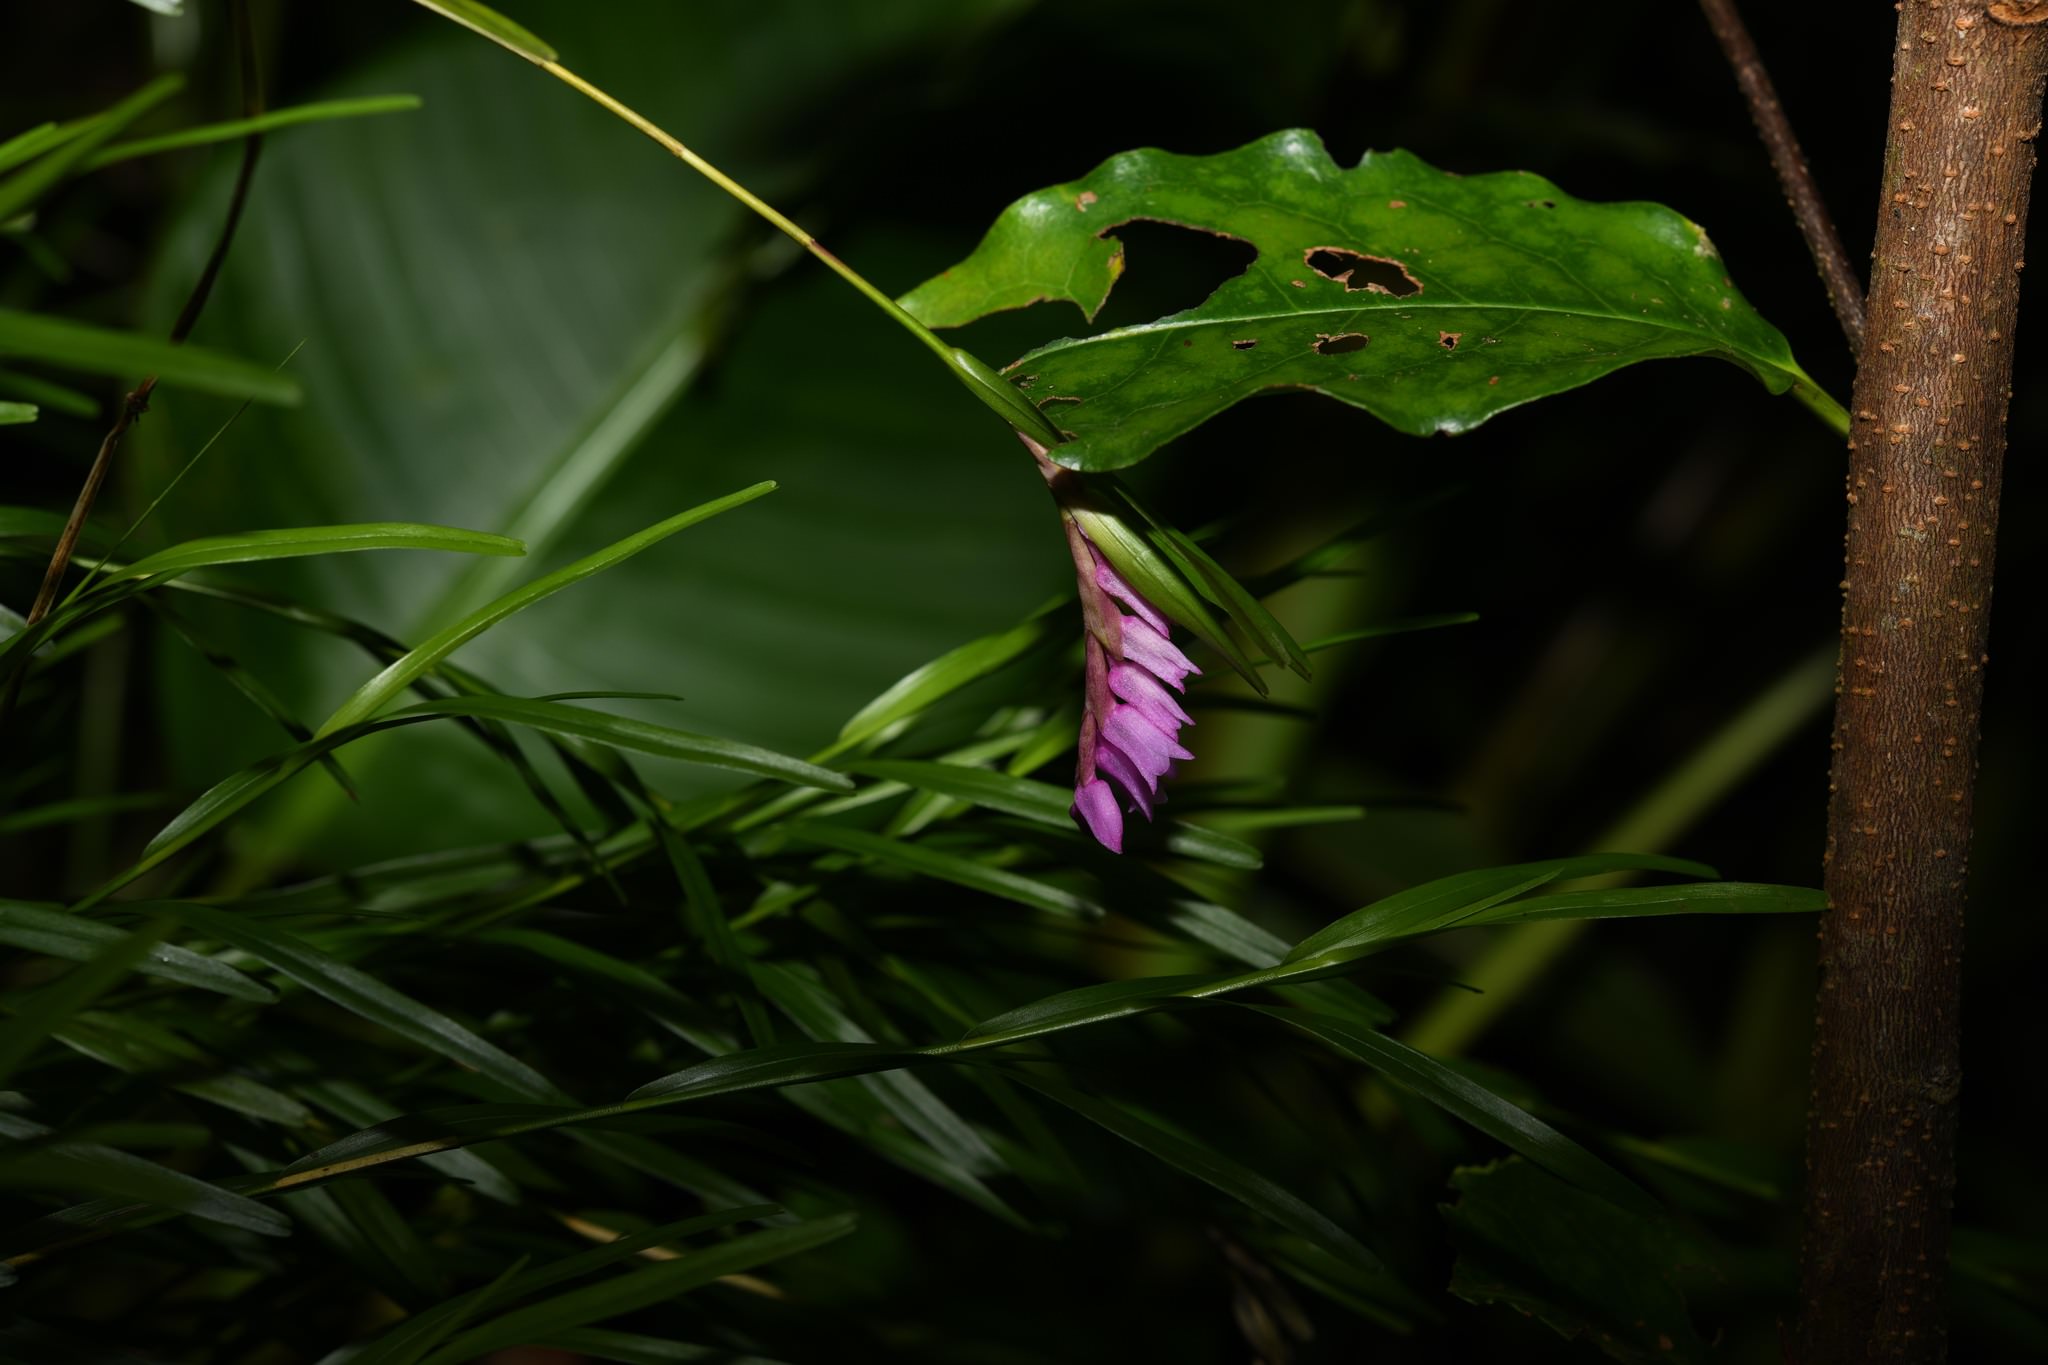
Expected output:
{"points": [[1130, 735]]}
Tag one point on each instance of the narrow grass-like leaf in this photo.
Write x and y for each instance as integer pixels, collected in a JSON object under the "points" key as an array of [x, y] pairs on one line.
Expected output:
{"points": [[40, 523], [1692, 898], [704, 910], [1094, 1004], [408, 1342], [366, 1234], [43, 393], [1281, 817], [948, 867], [1449, 900], [1206, 1164], [366, 997], [1044, 804], [493, 25], [642, 1289], [300, 541], [1466, 1099], [1406, 625], [132, 1042], [319, 111], [33, 142], [248, 684], [357, 1105], [45, 1012], [373, 695], [421, 1333], [951, 671], [20, 191], [79, 808], [16, 414], [100, 350], [1217, 584], [631, 1348], [45, 929], [1130, 544], [38, 1158], [907, 1097], [641, 736], [765, 1068]]}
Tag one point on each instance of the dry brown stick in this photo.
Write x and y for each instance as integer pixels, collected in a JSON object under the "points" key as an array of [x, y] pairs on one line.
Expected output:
{"points": [[1930, 401], [1844, 285], [136, 401]]}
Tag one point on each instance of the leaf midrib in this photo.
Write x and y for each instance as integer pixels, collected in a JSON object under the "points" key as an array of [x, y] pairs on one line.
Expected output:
{"points": [[1174, 324]]}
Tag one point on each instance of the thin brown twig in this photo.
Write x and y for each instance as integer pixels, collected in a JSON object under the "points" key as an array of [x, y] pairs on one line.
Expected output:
{"points": [[1844, 284], [136, 401]]}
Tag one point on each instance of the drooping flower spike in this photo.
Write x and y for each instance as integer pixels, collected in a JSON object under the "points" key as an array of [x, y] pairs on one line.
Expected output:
{"points": [[1130, 728]]}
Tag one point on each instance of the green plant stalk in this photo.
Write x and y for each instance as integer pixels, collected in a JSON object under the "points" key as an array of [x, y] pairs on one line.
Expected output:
{"points": [[1822, 406], [979, 378], [1518, 958]]}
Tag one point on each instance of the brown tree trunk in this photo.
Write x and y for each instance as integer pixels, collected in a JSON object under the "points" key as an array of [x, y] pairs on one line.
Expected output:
{"points": [[1930, 402]]}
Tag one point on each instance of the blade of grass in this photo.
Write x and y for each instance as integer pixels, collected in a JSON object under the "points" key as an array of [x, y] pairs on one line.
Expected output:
{"points": [[37, 1157], [64, 148], [1511, 966], [948, 867], [101, 350], [1047, 805], [319, 111], [366, 997], [1255, 1191], [373, 695], [1466, 1099], [48, 930], [641, 1289], [300, 541]]}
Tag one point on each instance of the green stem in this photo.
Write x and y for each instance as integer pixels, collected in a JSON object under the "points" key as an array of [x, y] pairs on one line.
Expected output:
{"points": [[979, 378], [1822, 406], [1519, 957]]}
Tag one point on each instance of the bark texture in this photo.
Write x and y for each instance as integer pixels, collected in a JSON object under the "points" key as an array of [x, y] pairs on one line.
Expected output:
{"points": [[1930, 402]]}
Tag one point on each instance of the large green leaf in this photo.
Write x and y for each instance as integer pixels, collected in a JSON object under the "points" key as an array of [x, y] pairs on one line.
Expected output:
{"points": [[513, 367], [1431, 300]]}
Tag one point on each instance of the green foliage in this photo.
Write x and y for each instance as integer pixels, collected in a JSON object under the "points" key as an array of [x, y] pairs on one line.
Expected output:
{"points": [[545, 345], [1433, 301], [100, 350], [541, 1037], [1583, 1266], [230, 130]]}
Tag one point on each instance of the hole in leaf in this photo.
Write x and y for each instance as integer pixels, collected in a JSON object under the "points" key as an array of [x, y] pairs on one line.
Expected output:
{"points": [[1357, 271], [1169, 268], [1542, 203], [1448, 340], [1244, 345], [1327, 344]]}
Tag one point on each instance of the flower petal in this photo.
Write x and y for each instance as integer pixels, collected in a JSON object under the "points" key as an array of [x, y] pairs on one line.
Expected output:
{"points": [[1096, 809], [1153, 651], [1128, 777], [1141, 741], [1111, 582], [1149, 695]]}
